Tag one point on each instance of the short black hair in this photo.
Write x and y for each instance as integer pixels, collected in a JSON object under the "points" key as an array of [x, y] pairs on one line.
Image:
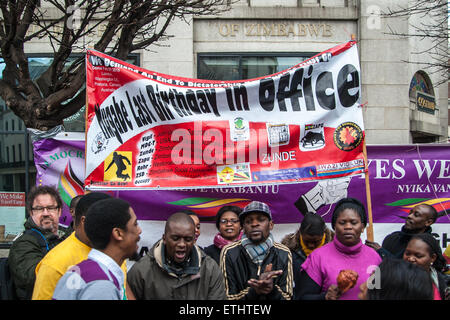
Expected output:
{"points": [[312, 224], [189, 212], [40, 190], [401, 280], [102, 217], [85, 202], [179, 217], [349, 203], [431, 211], [433, 248], [224, 209], [74, 201]]}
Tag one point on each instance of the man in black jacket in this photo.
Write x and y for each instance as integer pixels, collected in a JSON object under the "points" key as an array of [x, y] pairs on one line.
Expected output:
{"points": [[419, 220], [256, 267], [40, 235]]}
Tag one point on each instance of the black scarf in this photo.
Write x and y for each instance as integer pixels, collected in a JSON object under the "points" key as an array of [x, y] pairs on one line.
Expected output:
{"points": [[189, 266]]}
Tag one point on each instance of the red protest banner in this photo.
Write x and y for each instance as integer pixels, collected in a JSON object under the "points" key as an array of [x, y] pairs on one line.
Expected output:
{"points": [[147, 130]]}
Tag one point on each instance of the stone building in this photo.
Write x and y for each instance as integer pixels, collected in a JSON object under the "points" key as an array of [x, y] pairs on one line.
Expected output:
{"points": [[257, 37]]}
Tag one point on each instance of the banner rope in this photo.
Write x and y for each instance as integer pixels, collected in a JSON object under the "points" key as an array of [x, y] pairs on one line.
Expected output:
{"points": [[431, 185]]}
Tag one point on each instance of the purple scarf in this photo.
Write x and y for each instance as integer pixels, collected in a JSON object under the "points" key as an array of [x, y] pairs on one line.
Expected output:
{"points": [[220, 241]]}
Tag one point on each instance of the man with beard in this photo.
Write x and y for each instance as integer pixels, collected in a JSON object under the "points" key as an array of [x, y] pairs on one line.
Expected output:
{"points": [[176, 268], [112, 228], [419, 220], [70, 252], [257, 267], [40, 235]]}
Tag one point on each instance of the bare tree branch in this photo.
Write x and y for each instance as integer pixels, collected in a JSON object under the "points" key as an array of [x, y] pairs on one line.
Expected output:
{"points": [[431, 25], [58, 92]]}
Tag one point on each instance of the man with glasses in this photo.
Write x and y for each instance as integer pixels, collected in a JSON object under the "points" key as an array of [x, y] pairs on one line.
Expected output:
{"points": [[41, 234]]}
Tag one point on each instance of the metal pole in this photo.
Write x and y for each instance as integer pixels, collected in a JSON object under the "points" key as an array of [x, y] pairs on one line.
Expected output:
{"points": [[27, 166]]}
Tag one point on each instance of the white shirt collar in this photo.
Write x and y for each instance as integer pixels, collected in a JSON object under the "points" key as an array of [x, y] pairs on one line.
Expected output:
{"points": [[109, 263]]}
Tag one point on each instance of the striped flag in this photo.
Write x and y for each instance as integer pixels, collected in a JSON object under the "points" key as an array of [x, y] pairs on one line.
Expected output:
{"points": [[69, 185]]}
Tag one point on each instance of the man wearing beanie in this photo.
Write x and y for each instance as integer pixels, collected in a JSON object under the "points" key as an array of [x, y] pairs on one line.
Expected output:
{"points": [[257, 267]]}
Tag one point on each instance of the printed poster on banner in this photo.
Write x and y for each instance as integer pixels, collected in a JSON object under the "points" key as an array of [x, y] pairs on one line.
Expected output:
{"points": [[12, 215], [147, 130]]}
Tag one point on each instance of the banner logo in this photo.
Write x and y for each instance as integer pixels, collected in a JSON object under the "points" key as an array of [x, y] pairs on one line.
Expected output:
{"points": [[234, 173], [313, 137], [347, 136], [99, 143], [122, 161], [278, 134], [239, 129]]}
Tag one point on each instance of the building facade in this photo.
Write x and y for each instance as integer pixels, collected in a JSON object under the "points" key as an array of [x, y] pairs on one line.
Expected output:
{"points": [[256, 32], [403, 102]]}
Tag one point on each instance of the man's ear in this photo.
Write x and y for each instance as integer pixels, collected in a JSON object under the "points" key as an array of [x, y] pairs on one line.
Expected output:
{"points": [[271, 224], [429, 222], [117, 234]]}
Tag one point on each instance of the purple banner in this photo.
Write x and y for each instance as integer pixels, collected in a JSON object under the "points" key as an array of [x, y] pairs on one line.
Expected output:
{"points": [[60, 163], [401, 176]]}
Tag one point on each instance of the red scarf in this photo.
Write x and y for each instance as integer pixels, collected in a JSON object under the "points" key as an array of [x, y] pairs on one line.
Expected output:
{"points": [[220, 241]]}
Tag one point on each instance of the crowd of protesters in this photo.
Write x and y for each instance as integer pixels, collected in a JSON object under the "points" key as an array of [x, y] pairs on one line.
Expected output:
{"points": [[244, 262]]}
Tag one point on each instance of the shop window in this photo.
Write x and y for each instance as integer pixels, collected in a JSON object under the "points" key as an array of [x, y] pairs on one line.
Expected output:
{"points": [[240, 66], [420, 83], [422, 101]]}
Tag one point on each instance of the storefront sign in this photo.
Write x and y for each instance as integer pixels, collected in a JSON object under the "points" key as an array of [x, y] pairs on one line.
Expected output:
{"points": [[425, 102], [275, 29]]}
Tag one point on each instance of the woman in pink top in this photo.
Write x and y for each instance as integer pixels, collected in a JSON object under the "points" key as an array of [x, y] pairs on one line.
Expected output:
{"points": [[424, 250], [318, 280]]}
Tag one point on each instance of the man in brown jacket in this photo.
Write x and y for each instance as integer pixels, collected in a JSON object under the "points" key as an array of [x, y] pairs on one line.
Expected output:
{"points": [[176, 268]]}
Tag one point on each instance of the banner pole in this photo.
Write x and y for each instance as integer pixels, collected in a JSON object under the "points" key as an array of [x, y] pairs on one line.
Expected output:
{"points": [[369, 230], [86, 114]]}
